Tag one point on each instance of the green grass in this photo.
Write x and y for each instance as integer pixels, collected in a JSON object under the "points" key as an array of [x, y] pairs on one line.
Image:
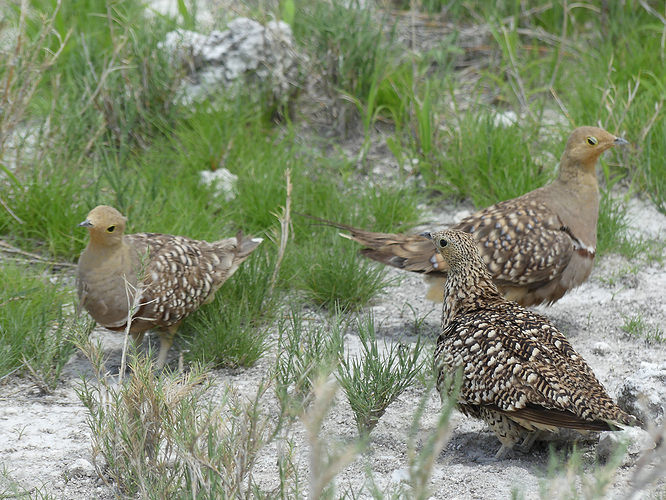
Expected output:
{"points": [[232, 331], [376, 377], [638, 327], [306, 351], [347, 44], [106, 128], [335, 276], [33, 336], [489, 163]]}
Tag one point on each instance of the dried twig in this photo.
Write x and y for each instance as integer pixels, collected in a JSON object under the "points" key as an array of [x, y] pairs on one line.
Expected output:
{"points": [[285, 222], [11, 212], [39, 381], [6, 247], [658, 106], [561, 105]]}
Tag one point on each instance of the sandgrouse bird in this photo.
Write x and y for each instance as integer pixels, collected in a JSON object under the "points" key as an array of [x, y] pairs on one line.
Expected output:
{"points": [[537, 246], [175, 275], [519, 373]]}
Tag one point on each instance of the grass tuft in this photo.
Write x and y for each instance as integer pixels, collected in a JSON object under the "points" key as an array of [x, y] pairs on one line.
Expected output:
{"points": [[638, 327], [377, 377], [337, 277], [33, 334], [232, 331], [306, 350]]}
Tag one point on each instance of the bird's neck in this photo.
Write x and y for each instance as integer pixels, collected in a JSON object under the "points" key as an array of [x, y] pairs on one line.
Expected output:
{"points": [[467, 292], [101, 253], [581, 174]]}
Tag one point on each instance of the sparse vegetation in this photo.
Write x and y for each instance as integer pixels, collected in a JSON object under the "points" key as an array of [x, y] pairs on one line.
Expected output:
{"points": [[377, 377], [34, 339], [306, 352], [637, 326], [88, 115]]}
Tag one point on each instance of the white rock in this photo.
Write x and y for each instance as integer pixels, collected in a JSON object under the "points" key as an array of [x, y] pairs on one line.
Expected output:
{"points": [[80, 468], [601, 348], [462, 214], [506, 119], [246, 48], [400, 475], [644, 393], [635, 439], [222, 181]]}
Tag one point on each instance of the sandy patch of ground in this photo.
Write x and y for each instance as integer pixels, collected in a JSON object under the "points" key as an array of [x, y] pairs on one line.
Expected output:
{"points": [[45, 441]]}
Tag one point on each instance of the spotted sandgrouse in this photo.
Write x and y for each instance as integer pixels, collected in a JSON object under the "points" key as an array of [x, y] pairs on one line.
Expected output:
{"points": [[175, 275], [537, 246], [519, 373]]}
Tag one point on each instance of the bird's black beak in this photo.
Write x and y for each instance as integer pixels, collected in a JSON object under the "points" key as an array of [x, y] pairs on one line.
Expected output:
{"points": [[426, 235], [86, 223], [619, 141]]}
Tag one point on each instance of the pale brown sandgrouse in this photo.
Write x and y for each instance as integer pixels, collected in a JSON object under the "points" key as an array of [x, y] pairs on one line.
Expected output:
{"points": [[537, 246], [519, 373], [175, 275]]}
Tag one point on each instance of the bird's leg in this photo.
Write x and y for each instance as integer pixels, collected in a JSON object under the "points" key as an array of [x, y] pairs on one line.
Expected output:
{"points": [[166, 339], [503, 452], [528, 441]]}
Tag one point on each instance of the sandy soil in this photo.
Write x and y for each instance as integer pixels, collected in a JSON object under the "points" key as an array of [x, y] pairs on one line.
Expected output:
{"points": [[45, 441]]}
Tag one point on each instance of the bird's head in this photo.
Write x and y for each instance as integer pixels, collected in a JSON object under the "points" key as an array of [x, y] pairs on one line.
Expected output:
{"points": [[105, 224], [586, 144], [457, 248]]}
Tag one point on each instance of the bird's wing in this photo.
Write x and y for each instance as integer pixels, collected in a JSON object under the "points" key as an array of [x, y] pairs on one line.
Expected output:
{"points": [[521, 241], [179, 274], [528, 367]]}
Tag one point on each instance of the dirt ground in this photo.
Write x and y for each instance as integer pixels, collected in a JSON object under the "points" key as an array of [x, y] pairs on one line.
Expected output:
{"points": [[45, 441]]}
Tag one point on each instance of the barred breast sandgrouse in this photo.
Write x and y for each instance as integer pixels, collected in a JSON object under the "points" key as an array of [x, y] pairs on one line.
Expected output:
{"points": [[175, 275], [519, 373], [537, 246]]}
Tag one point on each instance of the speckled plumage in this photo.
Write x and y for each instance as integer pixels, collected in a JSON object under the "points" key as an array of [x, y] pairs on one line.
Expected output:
{"points": [[537, 246], [175, 274], [519, 373]]}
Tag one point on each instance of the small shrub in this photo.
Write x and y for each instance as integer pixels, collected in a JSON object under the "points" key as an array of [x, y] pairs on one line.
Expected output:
{"points": [[305, 351], [373, 380], [162, 437]]}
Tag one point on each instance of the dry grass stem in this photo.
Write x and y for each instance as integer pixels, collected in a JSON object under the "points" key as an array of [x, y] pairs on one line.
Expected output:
{"points": [[323, 466], [658, 106], [285, 222]]}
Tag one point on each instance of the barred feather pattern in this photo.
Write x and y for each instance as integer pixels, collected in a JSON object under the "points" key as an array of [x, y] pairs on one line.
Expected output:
{"points": [[515, 363]]}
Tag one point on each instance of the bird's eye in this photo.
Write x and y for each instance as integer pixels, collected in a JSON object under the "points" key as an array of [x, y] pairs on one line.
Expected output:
{"points": [[592, 141], [443, 243], [110, 229]]}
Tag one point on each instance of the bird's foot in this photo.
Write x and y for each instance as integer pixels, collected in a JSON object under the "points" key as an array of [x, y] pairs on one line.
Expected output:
{"points": [[527, 443]]}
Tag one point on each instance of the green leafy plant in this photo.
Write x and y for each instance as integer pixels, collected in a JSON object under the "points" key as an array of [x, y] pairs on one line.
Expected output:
{"points": [[306, 350], [377, 377]]}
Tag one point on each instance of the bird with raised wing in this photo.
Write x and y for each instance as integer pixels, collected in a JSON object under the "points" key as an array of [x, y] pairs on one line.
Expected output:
{"points": [[151, 280], [519, 373], [537, 246]]}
